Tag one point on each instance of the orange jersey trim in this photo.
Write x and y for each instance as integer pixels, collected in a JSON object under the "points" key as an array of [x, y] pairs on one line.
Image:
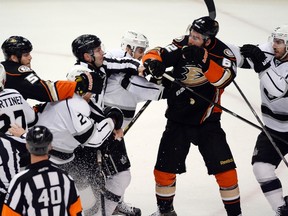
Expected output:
{"points": [[214, 73], [65, 89], [75, 208], [7, 211], [11, 74], [152, 54]]}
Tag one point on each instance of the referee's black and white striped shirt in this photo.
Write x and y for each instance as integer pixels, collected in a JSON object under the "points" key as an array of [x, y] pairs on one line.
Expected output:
{"points": [[11, 150], [42, 189]]}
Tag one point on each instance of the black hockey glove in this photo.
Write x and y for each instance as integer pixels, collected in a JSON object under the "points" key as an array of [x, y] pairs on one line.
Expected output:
{"points": [[116, 114], [155, 68], [256, 55], [197, 55], [89, 82]]}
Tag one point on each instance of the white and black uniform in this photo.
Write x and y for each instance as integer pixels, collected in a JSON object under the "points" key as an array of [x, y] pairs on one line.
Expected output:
{"points": [[87, 156], [274, 102], [42, 189], [70, 123], [15, 109], [125, 91], [13, 156]]}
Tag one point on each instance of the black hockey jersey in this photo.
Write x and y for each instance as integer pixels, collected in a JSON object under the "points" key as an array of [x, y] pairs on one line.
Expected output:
{"points": [[27, 82], [183, 105]]}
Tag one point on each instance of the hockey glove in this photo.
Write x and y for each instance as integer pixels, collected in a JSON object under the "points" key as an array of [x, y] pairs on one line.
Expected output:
{"points": [[38, 108], [196, 55], [116, 114], [256, 55], [155, 68], [89, 82]]}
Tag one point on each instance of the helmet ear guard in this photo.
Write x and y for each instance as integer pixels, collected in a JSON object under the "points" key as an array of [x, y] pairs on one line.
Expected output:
{"points": [[205, 26], [16, 45], [133, 40]]}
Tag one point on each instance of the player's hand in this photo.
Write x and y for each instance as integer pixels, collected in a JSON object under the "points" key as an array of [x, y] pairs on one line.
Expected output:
{"points": [[16, 130], [155, 68], [116, 114], [196, 55], [89, 82], [256, 55], [118, 134]]}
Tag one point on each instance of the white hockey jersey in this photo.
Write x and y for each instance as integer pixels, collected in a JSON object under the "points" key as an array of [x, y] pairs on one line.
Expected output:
{"points": [[70, 123], [138, 90], [15, 109], [274, 95]]}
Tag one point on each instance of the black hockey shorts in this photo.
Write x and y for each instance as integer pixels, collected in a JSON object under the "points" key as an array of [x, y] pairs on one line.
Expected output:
{"points": [[265, 152], [210, 139]]}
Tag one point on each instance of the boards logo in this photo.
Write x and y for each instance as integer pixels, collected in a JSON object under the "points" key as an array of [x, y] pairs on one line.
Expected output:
{"points": [[24, 69]]}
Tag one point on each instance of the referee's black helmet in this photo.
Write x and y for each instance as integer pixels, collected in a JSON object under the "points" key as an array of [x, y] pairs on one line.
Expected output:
{"points": [[38, 139]]}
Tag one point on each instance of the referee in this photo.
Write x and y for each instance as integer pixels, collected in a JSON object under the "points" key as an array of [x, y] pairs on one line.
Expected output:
{"points": [[42, 189], [13, 156]]}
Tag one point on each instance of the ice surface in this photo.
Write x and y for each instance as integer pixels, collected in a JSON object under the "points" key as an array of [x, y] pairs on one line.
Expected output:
{"points": [[52, 25]]}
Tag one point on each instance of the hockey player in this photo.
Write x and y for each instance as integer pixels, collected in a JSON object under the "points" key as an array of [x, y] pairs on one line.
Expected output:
{"points": [[125, 91], [270, 61], [14, 110], [20, 76], [87, 49], [205, 64], [43, 188]]}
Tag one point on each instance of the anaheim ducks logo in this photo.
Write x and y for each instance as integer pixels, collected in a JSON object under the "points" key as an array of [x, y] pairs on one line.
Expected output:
{"points": [[23, 69], [193, 76]]}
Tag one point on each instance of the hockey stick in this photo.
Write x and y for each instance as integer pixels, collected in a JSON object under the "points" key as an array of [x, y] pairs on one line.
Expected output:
{"points": [[211, 8], [167, 76], [261, 123], [136, 116], [99, 162]]}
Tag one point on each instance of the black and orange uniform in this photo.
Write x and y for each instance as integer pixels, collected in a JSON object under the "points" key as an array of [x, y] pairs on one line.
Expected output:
{"points": [[42, 189], [30, 85], [191, 119]]}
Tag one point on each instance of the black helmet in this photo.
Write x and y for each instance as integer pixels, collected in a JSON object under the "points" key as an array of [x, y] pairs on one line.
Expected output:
{"points": [[85, 44], [16, 45], [38, 139], [205, 26]]}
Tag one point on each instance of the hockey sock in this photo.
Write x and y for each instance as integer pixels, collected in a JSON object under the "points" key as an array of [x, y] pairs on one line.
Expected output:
{"points": [[269, 183], [165, 190], [229, 191]]}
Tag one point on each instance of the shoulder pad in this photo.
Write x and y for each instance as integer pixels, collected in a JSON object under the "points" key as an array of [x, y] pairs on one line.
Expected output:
{"points": [[181, 41]]}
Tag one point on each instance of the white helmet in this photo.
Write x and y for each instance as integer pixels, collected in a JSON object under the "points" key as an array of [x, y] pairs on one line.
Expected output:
{"points": [[134, 40], [281, 32], [2, 76]]}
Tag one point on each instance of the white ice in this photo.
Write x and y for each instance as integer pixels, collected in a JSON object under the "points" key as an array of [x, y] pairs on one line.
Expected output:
{"points": [[51, 26]]}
